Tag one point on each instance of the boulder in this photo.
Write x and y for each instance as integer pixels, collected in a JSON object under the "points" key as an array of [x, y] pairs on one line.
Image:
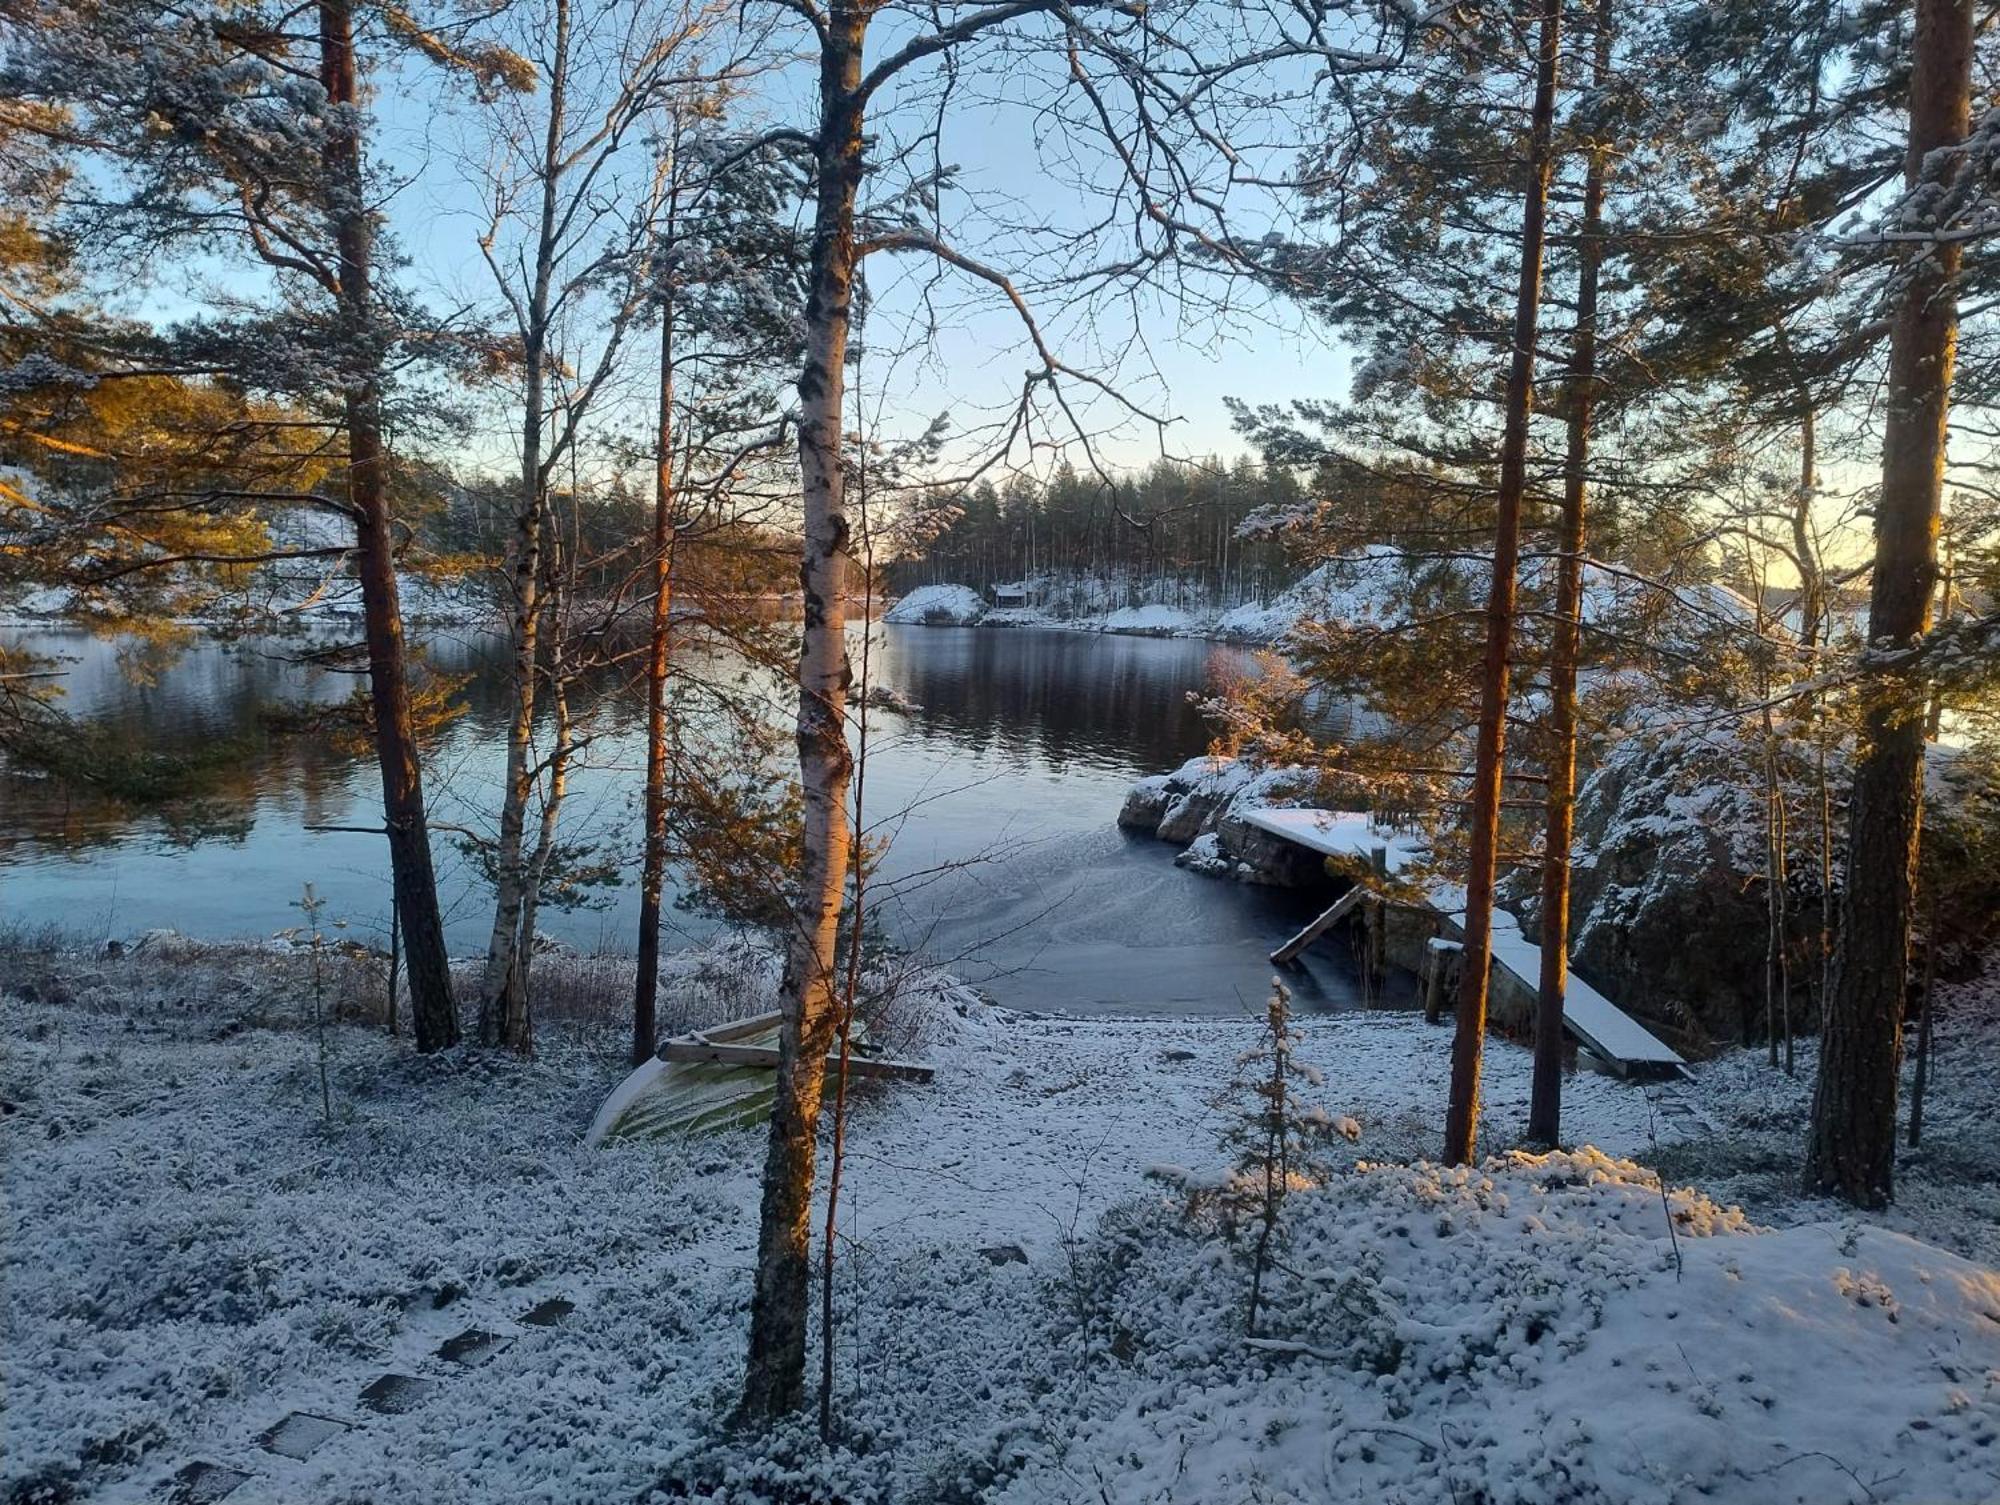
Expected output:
{"points": [[1260, 857], [1204, 855], [938, 606], [1201, 806], [1145, 803]]}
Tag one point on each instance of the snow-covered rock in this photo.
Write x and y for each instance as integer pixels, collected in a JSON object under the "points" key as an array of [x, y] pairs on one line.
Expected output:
{"points": [[1153, 621], [938, 606], [1203, 802], [1667, 888], [1666, 885], [1204, 855]]}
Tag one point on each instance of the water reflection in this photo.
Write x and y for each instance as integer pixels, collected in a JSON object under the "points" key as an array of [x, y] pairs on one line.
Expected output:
{"points": [[999, 792], [1066, 698]]}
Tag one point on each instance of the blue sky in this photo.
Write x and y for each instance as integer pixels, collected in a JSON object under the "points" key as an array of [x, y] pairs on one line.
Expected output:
{"points": [[1010, 185]]}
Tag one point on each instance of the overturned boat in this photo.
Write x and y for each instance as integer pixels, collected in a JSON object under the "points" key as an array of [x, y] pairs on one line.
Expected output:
{"points": [[708, 1080]]}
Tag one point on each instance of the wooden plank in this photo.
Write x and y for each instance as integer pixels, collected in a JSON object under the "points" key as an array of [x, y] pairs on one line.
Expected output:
{"points": [[1319, 927], [767, 1056], [1607, 1030], [736, 1029]]}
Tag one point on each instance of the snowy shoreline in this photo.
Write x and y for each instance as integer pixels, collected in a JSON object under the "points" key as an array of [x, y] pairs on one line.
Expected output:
{"points": [[960, 606], [1371, 585]]}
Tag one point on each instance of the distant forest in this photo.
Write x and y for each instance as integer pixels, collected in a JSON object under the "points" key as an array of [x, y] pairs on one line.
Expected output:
{"points": [[1218, 534], [1173, 533]]}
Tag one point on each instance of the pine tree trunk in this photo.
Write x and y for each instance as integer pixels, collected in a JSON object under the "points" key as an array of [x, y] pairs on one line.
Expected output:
{"points": [[1816, 630], [775, 1378], [653, 869], [1852, 1149], [1775, 979], [434, 1019], [1462, 1112], [1545, 1097]]}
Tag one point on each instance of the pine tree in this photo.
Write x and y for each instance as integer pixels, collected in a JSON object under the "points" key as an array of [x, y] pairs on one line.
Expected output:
{"points": [[1851, 1152], [724, 263], [233, 127]]}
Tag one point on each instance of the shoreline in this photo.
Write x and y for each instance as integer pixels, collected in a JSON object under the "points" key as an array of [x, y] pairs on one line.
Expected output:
{"points": [[1001, 621]]}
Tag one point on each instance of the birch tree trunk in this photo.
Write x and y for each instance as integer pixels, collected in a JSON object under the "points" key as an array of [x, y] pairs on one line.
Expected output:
{"points": [[1852, 1148], [503, 979], [1462, 1112], [517, 1031], [653, 868], [433, 1016], [1545, 1097], [774, 1380]]}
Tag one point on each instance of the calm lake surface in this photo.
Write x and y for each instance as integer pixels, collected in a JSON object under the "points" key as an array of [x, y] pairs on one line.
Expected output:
{"points": [[1008, 779]]}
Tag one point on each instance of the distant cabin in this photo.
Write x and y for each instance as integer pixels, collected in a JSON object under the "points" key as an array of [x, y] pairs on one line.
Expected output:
{"points": [[1017, 594]]}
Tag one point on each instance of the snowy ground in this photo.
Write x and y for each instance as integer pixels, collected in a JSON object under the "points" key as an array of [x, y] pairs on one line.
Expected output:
{"points": [[194, 1253]]}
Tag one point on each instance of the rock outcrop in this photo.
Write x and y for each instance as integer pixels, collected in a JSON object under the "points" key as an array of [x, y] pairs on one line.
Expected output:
{"points": [[939, 606], [1667, 888], [1201, 805]]}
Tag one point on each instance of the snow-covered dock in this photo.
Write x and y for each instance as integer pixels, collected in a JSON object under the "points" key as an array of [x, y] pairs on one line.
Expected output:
{"points": [[1607, 1031]]}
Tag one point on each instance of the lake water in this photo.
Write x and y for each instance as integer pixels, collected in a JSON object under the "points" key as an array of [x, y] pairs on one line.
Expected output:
{"points": [[1009, 778]]}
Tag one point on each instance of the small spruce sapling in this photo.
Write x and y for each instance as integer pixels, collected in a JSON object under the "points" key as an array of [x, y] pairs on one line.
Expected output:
{"points": [[311, 904], [1276, 1140]]}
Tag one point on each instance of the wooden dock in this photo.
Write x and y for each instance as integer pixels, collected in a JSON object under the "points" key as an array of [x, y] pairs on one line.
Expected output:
{"points": [[1604, 1029]]}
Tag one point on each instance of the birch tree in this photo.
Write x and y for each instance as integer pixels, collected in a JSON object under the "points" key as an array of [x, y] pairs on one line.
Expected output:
{"points": [[1153, 87], [574, 200]]}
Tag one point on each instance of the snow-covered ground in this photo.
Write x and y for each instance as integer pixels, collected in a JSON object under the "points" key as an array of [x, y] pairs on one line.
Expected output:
{"points": [[194, 1253]]}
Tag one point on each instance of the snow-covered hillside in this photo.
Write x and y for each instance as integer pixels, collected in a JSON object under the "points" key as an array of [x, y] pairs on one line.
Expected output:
{"points": [[1375, 585], [938, 606]]}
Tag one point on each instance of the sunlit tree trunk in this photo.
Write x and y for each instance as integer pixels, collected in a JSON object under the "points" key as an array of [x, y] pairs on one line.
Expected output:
{"points": [[433, 1017], [1462, 1112], [1545, 1098], [775, 1376], [1851, 1151]]}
